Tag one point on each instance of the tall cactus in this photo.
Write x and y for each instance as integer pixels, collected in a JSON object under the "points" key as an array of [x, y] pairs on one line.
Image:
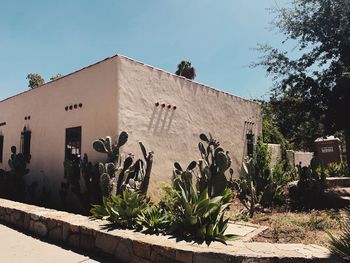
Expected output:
{"points": [[117, 175], [213, 165], [18, 163]]}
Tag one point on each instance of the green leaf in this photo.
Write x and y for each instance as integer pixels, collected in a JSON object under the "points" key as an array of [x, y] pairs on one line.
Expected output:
{"points": [[203, 137], [191, 166], [178, 166]]}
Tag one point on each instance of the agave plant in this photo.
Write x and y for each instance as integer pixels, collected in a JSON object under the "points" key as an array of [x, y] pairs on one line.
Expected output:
{"points": [[121, 210], [341, 246], [197, 215], [154, 220], [201, 217]]}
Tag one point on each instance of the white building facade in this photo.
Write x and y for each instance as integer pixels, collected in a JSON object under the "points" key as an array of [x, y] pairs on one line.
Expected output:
{"points": [[164, 111]]}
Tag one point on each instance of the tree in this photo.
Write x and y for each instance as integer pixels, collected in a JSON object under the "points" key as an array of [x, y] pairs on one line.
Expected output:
{"points": [[312, 89], [57, 76], [34, 80], [185, 69]]}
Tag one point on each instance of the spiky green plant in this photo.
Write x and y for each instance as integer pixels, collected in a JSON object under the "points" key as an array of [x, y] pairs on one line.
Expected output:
{"points": [[341, 245], [154, 220], [122, 210], [117, 175], [213, 165], [311, 184], [201, 217], [198, 216], [15, 185]]}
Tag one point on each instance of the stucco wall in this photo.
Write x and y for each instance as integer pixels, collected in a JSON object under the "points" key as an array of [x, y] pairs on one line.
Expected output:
{"points": [[95, 87], [298, 157], [120, 94], [276, 153], [173, 133]]}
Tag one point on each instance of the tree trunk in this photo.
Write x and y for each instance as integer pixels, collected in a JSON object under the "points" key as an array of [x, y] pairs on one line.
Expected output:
{"points": [[347, 147]]}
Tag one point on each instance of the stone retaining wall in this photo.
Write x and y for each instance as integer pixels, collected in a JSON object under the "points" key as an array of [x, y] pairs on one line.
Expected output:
{"points": [[94, 236], [338, 182]]}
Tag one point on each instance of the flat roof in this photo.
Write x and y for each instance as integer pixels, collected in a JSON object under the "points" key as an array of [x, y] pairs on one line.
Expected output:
{"points": [[136, 61]]}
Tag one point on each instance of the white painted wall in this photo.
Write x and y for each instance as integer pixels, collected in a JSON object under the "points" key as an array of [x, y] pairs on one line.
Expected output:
{"points": [[94, 86], [173, 134], [120, 94], [276, 153]]}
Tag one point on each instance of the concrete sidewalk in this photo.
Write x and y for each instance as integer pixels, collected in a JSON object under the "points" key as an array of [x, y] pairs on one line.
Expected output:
{"points": [[16, 247]]}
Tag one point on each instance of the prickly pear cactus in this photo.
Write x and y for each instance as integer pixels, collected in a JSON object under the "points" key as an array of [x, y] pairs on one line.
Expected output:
{"points": [[213, 165], [15, 182], [183, 177], [118, 175], [18, 163], [104, 145], [138, 174]]}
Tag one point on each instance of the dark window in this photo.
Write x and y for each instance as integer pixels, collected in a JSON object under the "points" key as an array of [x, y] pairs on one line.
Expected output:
{"points": [[73, 143], [25, 142], [250, 143], [1, 147]]}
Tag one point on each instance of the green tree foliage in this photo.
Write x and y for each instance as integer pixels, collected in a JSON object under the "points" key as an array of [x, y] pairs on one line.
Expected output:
{"points": [[312, 89], [270, 128], [57, 76], [259, 185], [34, 80], [185, 69]]}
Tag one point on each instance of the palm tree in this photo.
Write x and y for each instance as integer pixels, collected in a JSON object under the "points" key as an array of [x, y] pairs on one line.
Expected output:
{"points": [[185, 69]]}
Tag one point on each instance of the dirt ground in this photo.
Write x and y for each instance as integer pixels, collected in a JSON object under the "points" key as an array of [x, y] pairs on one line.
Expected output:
{"points": [[292, 227]]}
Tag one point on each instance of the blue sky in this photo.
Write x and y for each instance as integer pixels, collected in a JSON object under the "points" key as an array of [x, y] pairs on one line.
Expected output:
{"points": [[218, 37]]}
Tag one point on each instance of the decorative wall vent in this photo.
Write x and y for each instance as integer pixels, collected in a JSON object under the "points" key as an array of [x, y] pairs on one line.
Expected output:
{"points": [[73, 106], [169, 106]]}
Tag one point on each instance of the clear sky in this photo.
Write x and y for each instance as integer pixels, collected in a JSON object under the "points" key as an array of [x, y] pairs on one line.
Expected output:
{"points": [[218, 37]]}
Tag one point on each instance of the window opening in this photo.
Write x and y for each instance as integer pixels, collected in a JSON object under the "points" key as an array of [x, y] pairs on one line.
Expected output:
{"points": [[73, 143], [250, 143], [25, 142], [1, 147]]}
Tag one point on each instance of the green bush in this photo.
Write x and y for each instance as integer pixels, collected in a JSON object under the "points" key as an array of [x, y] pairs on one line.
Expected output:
{"points": [[185, 211], [337, 170], [259, 185]]}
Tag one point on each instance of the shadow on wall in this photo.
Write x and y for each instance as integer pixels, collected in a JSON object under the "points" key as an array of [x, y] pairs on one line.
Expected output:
{"points": [[161, 118]]}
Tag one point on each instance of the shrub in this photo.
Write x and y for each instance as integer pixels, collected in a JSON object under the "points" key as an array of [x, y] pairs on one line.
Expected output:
{"points": [[341, 246], [259, 185], [185, 211], [154, 220], [310, 187], [73, 171], [122, 210], [337, 170], [199, 216], [13, 181]]}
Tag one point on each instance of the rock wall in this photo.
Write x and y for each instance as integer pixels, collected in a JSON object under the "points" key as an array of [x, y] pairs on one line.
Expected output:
{"points": [[127, 246]]}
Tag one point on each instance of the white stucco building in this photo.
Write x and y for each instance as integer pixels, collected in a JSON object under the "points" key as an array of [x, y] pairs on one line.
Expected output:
{"points": [[164, 111]]}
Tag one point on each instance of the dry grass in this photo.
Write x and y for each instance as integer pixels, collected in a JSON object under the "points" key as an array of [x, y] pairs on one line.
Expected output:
{"points": [[306, 228]]}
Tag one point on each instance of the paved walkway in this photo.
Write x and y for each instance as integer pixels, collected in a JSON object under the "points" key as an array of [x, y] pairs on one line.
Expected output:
{"points": [[16, 247]]}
